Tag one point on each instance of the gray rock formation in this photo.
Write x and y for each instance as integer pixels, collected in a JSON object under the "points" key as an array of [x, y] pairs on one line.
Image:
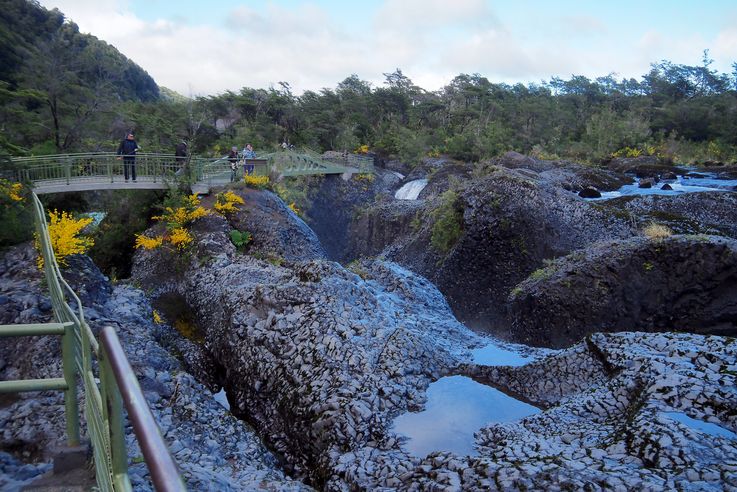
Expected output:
{"points": [[680, 283], [213, 449], [321, 359], [510, 223], [689, 213]]}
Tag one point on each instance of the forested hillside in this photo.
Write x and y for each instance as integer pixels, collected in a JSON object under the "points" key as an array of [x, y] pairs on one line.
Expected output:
{"points": [[59, 87], [64, 91]]}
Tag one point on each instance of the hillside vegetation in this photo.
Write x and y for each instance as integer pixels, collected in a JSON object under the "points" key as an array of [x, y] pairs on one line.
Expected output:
{"points": [[65, 91]]}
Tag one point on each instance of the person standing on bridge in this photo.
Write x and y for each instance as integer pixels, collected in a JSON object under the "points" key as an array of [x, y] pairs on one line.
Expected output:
{"points": [[233, 159], [248, 153], [128, 148], [180, 156]]}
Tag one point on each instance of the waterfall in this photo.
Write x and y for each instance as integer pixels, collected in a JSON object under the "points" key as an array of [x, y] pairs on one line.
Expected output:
{"points": [[411, 190]]}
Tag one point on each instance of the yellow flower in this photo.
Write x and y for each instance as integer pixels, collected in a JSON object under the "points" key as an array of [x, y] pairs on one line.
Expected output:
{"points": [[227, 203], [180, 238], [295, 209], [148, 242], [157, 317], [11, 190], [256, 181], [64, 233]]}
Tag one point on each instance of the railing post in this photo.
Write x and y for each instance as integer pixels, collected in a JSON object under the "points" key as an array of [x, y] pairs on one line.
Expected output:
{"points": [[69, 356], [110, 170], [68, 169]]}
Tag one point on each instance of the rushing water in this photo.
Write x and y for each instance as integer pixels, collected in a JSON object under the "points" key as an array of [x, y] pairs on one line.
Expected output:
{"points": [[411, 190], [701, 181], [456, 408]]}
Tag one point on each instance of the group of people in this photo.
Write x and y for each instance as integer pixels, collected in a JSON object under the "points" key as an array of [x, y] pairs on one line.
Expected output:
{"points": [[128, 148], [245, 156]]}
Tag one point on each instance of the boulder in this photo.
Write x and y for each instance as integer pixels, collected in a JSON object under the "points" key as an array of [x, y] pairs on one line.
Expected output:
{"points": [[710, 212], [680, 283], [645, 183], [509, 224], [666, 187], [669, 176], [589, 192]]}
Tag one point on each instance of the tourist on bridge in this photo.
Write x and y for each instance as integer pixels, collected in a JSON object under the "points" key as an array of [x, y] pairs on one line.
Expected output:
{"points": [[248, 153], [128, 148], [233, 159], [180, 156]]}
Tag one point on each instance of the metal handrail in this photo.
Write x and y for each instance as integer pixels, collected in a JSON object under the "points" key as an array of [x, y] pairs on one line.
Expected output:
{"points": [[164, 473], [103, 400], [99, 170]]}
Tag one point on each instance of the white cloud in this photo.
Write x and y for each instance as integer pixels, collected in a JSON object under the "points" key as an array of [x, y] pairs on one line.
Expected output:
{"points": [[725, 46], [409, 15], [430, 40]]}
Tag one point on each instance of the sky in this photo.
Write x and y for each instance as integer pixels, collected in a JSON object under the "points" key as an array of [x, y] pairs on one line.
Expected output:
{"points": [[199, 47]]}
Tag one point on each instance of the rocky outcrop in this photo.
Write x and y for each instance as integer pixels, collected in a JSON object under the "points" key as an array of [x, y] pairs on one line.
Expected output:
{"points": [[568, 175], [638, 414], [510, 223], [681, 283], [321, 359], [335, 202], [212, 448], [689, 213], [276, 230]]}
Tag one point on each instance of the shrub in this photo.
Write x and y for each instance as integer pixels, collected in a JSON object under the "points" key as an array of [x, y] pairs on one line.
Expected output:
{"points": [[64, 233], [186, 211], [227, 203], [448, 225], [148, 242], [656, 231], [15, 216], [258, 182]]}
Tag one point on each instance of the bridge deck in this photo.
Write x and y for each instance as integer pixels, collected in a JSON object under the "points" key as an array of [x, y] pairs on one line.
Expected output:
{"points": [[104, 171]]}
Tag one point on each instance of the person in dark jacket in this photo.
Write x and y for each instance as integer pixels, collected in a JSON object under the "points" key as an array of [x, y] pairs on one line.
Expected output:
{"points": [[180, 155], [128, 148], [233, 159]]}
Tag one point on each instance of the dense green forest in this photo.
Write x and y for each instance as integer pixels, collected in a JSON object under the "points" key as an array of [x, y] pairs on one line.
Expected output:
{"points": [[63, 91]]}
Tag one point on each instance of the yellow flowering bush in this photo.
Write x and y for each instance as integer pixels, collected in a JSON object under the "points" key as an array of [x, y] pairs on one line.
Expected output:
{"points": [[64, 233], [180, 238], [227, 203], [256, 181], [628, 152], [157, 317], [189, 211], [11, 190], [362, 149], [148, 242], [184, 211], [295, 209]]}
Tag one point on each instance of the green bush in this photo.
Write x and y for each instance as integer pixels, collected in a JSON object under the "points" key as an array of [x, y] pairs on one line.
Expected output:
{"points": [[448, 225]]}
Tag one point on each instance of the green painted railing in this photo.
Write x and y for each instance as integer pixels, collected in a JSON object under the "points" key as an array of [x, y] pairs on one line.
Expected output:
{"points": [[105, 170], [82, 354]]}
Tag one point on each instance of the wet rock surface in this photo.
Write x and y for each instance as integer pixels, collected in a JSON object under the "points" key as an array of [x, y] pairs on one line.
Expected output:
{"points": [[510, 223], [679, 283], [689, 213], [214, 450], [321, 360]]}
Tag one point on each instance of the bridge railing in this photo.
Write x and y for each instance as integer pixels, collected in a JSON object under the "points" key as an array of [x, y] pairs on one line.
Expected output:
{"points": [[54, 172], [99, 166], [105, 394]]}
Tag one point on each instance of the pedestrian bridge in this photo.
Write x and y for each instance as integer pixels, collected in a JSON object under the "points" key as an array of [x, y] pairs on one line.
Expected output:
{"points": [[104, 170]]}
